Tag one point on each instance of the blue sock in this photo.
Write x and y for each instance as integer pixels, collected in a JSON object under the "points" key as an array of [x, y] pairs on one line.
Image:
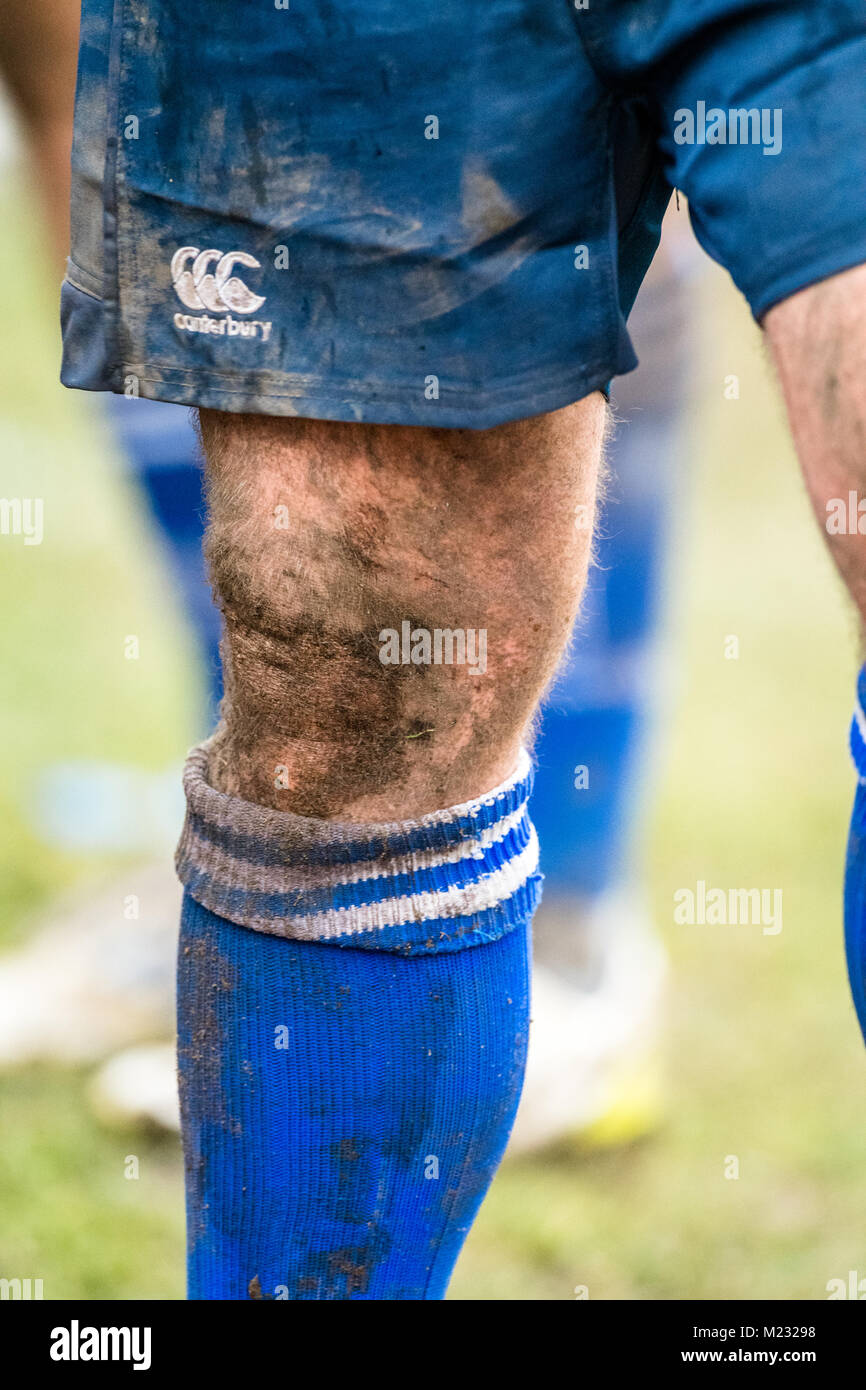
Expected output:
{"points": [[352, 1019], [855, 866]]}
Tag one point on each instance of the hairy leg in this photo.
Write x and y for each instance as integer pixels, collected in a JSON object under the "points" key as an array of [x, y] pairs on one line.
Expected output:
{"points": [[351, 1162], [818, 339], [322, 536]]}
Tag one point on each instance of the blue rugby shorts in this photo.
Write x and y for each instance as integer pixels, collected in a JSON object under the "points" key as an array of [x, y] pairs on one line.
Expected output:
{"points": [[438, 212]]}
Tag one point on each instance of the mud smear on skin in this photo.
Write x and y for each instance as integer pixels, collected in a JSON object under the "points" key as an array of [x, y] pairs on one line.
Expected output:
{"points": [[305, 685], [315, 685], [315, 678]]}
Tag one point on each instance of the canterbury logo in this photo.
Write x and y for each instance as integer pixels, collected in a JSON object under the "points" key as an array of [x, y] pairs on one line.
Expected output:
{"points": [[219, 290]]}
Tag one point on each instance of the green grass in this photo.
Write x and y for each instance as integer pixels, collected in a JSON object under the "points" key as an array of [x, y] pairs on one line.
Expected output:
{"points": [[765, 1060]]}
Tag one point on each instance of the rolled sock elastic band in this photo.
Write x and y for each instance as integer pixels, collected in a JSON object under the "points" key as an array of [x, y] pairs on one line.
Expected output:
{"points": [[449, 880]]}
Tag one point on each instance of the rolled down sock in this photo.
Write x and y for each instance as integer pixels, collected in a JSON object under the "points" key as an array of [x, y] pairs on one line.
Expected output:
{"points": [[353, 1008], [855, 864]]}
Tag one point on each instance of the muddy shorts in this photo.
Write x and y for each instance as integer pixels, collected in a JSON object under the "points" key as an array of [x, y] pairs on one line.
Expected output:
{"points": [[438, 213]]}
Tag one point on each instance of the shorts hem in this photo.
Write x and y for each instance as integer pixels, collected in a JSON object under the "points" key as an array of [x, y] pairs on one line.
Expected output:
{"points": [[845, 251], [87, 367], [456, 408]]}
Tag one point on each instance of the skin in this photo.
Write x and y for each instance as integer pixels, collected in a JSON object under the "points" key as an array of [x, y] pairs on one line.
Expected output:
{"points": [[447, 529], [818, 341], [322, 535], [38, 60]]}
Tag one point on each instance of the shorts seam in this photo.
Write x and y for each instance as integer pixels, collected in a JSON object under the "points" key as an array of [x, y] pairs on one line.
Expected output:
{"points": [[115, 78], [73, 269], [586, 44]]}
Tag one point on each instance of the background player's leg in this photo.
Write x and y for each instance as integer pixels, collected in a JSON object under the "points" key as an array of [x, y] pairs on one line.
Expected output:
{"points": [[76, 975], [594, 1068], [38, 58], [160, 444], [598, 961], [347, 1092]]}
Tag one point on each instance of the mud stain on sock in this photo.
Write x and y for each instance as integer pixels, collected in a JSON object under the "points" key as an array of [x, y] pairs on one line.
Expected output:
{"points": [[206, 979]]}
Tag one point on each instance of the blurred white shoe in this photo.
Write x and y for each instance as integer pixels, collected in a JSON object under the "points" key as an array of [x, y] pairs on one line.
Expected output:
{"points": [[97, 975], [137, 1087], [594, 1069]]}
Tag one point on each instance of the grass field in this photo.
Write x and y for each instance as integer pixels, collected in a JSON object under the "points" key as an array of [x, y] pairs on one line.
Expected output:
{"points": [[765, 1060]]}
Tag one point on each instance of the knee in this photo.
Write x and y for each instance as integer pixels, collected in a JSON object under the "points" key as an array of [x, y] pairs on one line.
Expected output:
{"points": [[327, 543], [297, 596], [306, 580]]}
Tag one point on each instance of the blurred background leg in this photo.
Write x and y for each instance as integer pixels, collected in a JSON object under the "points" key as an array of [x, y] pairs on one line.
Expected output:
{"points": [[595, 1066]]}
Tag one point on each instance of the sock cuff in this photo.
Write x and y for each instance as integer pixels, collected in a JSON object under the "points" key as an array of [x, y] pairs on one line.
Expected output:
{"points": [[857, 741], [451, 879]]}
